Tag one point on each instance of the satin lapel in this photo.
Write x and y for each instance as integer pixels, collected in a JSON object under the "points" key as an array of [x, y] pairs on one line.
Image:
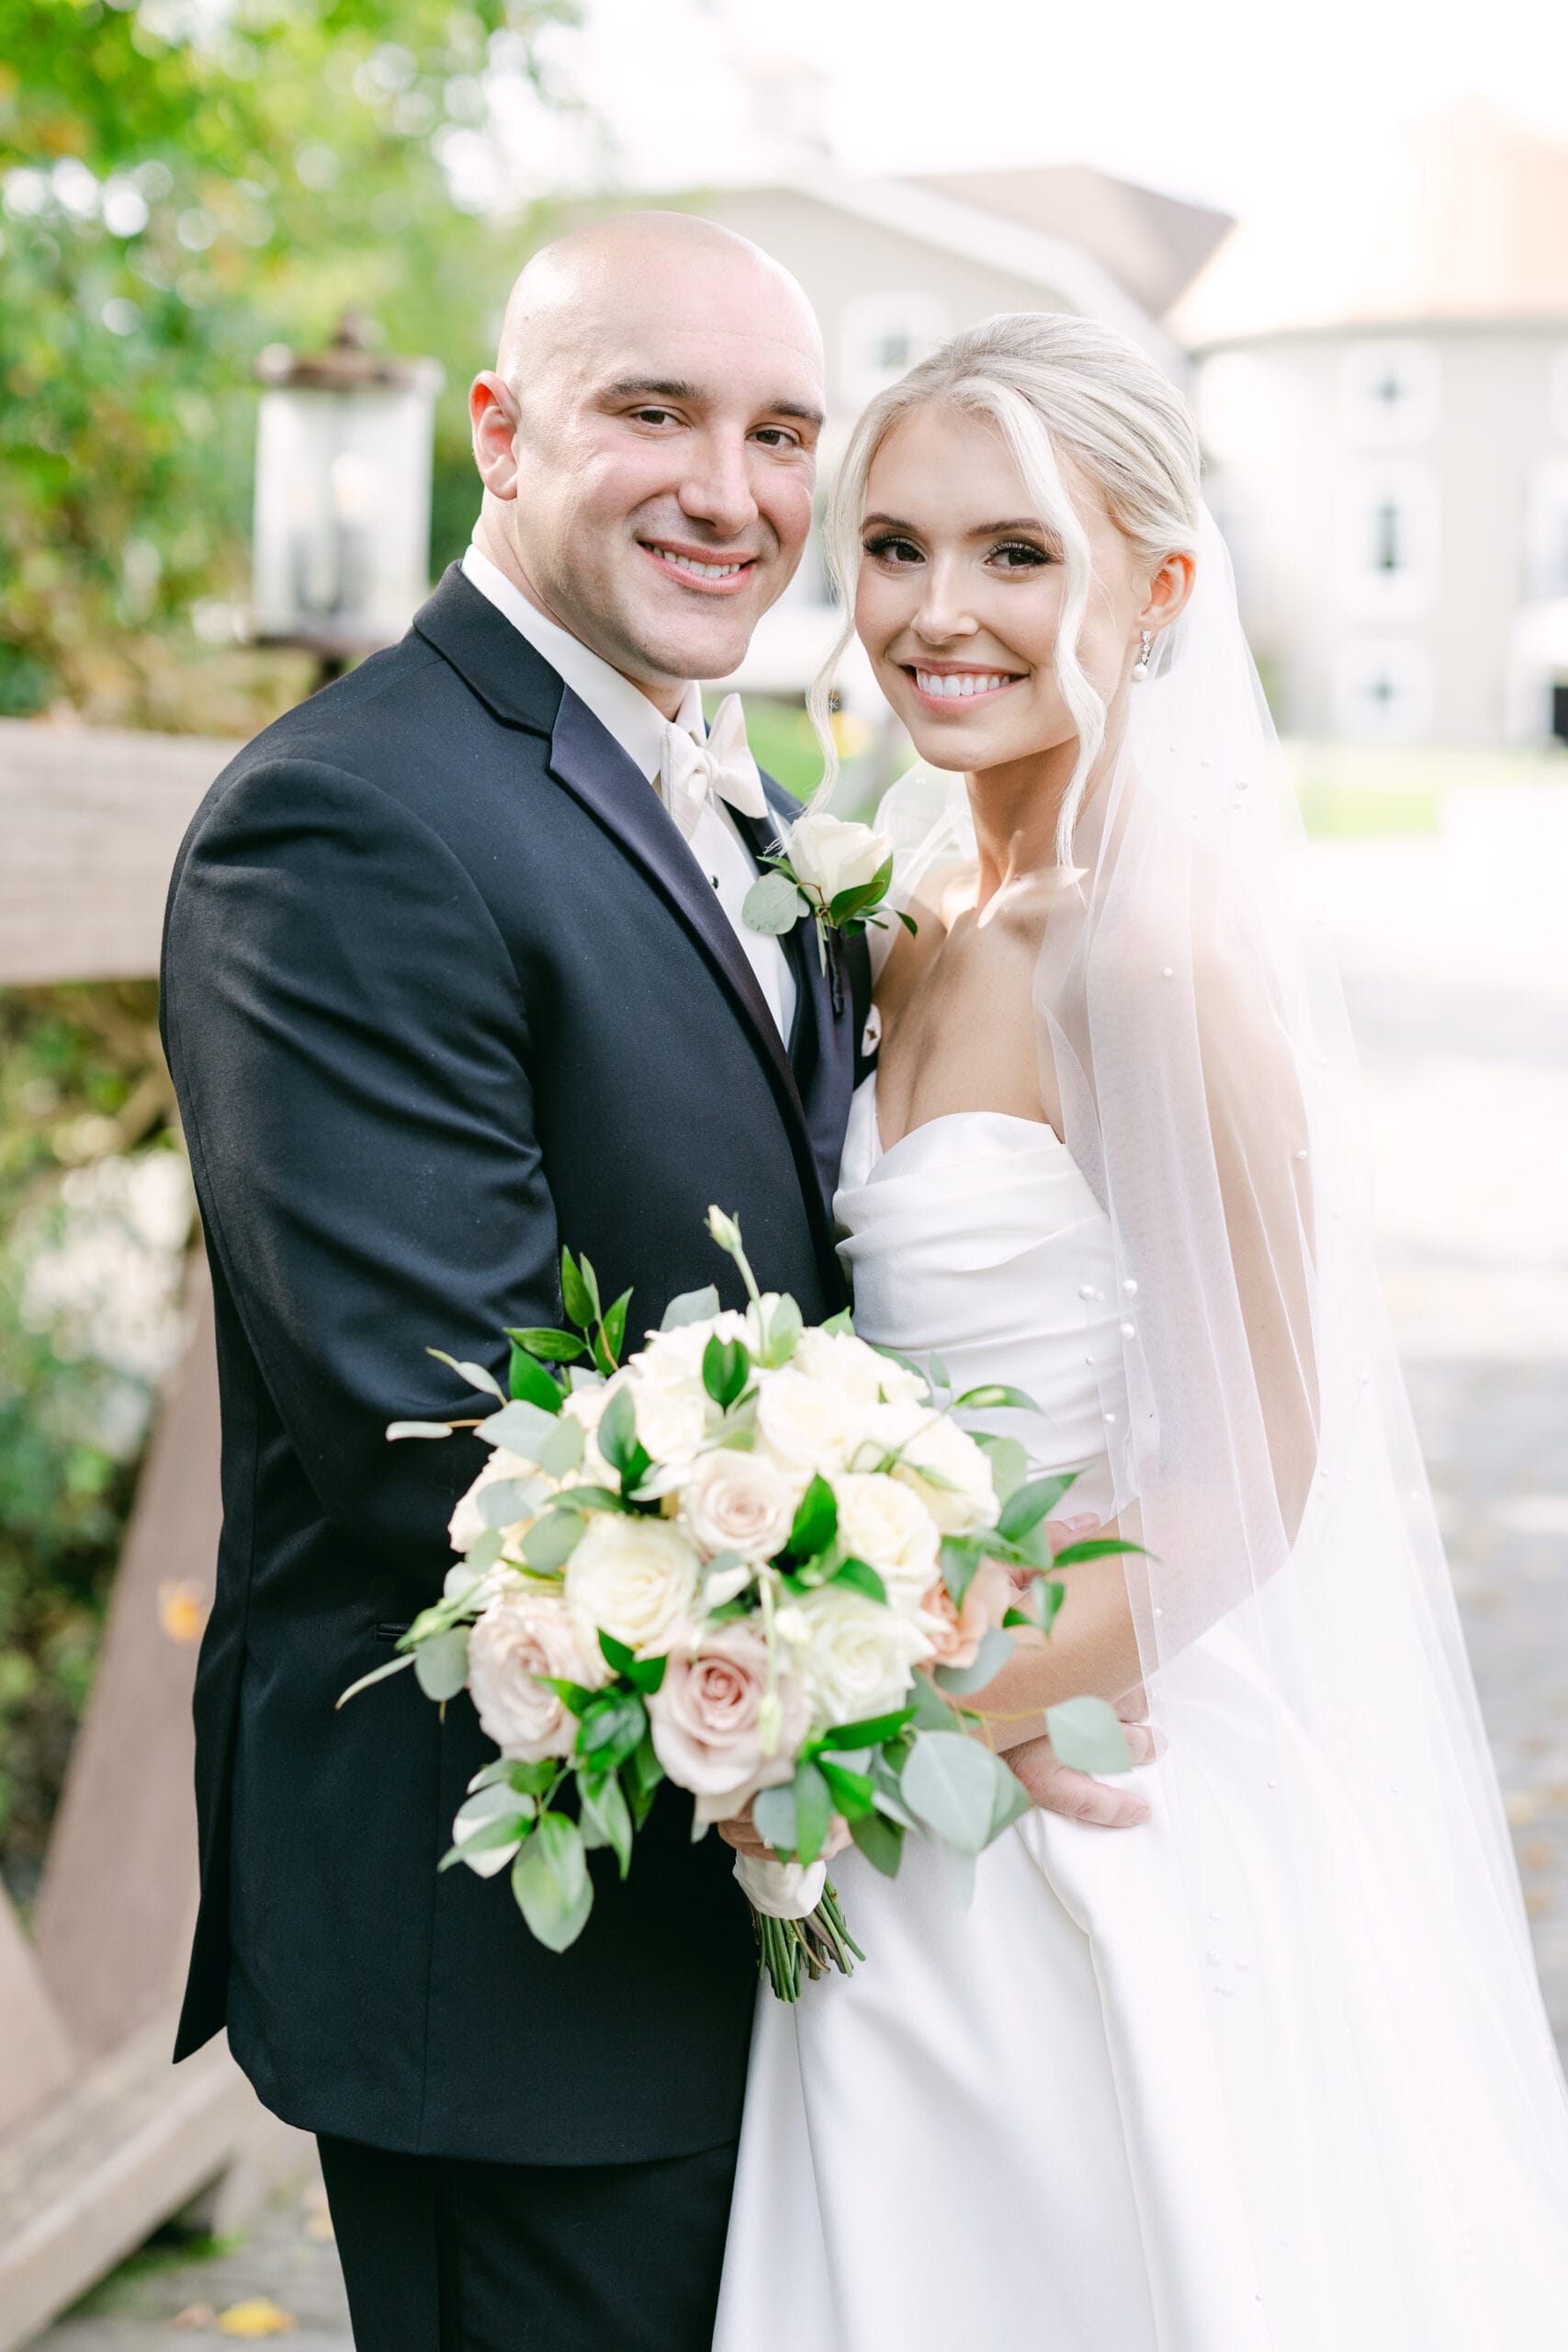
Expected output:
{"points": [[824, 1061], [591, 766]]}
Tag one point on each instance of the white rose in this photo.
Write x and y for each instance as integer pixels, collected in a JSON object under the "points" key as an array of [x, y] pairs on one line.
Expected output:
{"points": [[465, 1525], [841, 1361], [522, 1634], [965, 1498], [858, 1657], [829, 855], [804, 1423], [885, 1524], [674, 1359], [672, 1419], [737, 1502], [634, 1578]]}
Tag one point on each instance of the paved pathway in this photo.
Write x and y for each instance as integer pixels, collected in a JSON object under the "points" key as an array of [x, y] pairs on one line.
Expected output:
{"points": [[1458, 988]]}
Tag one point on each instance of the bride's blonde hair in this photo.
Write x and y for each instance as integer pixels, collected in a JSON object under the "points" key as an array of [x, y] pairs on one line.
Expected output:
{"points": [[1053, 385]]}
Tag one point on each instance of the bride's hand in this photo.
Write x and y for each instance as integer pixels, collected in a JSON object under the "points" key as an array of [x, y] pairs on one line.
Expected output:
{"points": [[741, 1834], [1055, 1787]]}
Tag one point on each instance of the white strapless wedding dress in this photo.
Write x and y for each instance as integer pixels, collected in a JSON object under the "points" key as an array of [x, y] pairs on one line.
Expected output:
{"points": [[1007, 2132]]}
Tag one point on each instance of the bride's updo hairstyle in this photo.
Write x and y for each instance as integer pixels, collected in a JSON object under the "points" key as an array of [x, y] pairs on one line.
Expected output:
{"points": [[1054, 386]]}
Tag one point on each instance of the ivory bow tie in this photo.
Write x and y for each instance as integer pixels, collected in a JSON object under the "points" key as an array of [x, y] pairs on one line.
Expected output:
{"points": [[689, 770]]}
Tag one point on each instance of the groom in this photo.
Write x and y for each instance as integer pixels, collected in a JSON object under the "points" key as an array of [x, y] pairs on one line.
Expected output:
{"points": [[455, 972]]}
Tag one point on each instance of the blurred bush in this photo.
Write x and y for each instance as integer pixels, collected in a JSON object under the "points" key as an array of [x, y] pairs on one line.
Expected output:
{"points": [[179, 185]]}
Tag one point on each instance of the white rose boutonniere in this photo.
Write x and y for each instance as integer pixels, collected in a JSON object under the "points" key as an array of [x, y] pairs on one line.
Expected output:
{"points": [[835, 871]]}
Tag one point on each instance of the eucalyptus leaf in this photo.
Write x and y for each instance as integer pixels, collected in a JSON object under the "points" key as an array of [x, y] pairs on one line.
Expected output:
{"points": [[948, 1782], [605, 1815], [774, 1817], [1009, 1463], [617, 1431], [487, 1847], [1086, 1733], [880, 1840], [551, 1540], [506, 1500], [992, 1398], [550, 1882], [376, 1674], [961, 1558], [774, 905], [1012, 1799], [994, 1650], [474, 1373], [840, 1325], [520, 1427], [931, 1710], [562, 1449], [611, 1727], [1025, 1509], [441, 1664], [396, 1429], [691, 1307], [785, 1325], [813, 1812], [483, 1552]]}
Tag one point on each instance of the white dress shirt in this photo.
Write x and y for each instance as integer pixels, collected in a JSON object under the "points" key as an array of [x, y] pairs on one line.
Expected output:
{"points": [[625, 712]]}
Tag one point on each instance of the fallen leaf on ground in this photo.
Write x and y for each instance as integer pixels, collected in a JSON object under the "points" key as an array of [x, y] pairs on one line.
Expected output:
{"points": [[194, 2315], [257, 2317]]}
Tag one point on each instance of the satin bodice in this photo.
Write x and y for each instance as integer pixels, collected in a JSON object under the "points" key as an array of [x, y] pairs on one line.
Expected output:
{"points": [[976, 1239]]}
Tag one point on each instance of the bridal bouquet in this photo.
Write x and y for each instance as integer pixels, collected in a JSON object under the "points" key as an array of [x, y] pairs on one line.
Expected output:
{"points": [[761, 1560]]}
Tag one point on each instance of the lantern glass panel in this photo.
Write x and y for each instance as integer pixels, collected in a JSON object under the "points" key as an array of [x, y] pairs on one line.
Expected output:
{"points": [[343, 511]]}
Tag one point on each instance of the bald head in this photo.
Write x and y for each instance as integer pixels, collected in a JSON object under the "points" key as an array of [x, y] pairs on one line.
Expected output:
{"points": [[640, 258], [648, 441]]}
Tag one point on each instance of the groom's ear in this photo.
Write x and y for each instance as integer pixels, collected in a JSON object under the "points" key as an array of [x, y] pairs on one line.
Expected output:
{"points": [[492, 416]]}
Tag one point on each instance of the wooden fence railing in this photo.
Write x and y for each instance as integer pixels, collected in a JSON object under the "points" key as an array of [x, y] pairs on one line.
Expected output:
{"points": [[101, 2139]]}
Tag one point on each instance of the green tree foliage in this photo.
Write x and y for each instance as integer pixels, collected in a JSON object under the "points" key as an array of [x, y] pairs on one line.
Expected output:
{"points": [[181, 183]]}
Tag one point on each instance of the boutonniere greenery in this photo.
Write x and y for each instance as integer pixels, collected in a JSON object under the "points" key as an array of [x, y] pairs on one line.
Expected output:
{"points": [[836, 872]]}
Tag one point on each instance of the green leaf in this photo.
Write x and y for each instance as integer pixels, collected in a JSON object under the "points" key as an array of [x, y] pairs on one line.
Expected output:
{"points": [[576, 1299], [994, 1650], [726, 1367], [860, 1576], [552, 1346], [948, 1782], [691, 1307], [520, 1427], [563, 1449], [611, 1727], [376, 1674], [1029, 1506], [550, 1882], [643, 1774], [841, 1326], [502, 1836], [813, 1812], [785, 1325], [862, 895], [616, 1433], [816, 1521], [961, 1558], [574, 1696], [616, 1324], [1097, 1547], [774, 905], [606, 1816], [551, 1540], [531, 1384], [931, 1710], [1086, 1733], [644, 1673], [870, 1733], [530, 1779], [896, 1355], [992, 1398], [910, 925], [1012, 1799], [441, 1664], [396, 1429], [474, 1373], [506, 1500], [880, 1840], [1009, 1463], [773, 1816], [854, 1793]]}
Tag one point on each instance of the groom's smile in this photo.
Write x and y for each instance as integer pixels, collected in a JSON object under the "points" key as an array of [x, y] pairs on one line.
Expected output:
{"points": [[697, 569]]}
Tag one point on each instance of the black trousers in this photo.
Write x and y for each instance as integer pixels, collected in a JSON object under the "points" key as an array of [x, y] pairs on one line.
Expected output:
{"points": [[443, 2255]]}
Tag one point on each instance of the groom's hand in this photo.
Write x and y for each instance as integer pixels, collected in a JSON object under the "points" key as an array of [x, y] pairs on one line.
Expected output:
{"points": [[1055, 1787]]}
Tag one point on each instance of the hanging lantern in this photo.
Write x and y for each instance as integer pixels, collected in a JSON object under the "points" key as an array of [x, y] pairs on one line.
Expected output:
{"points": [[343, 448]]}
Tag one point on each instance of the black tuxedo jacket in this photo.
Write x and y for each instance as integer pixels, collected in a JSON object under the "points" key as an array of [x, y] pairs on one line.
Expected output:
{"points": [[443, 988]]}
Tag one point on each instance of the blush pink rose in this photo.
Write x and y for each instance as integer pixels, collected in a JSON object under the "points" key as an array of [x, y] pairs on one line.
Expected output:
{"points": [[706, 1717], [955, 1635]]}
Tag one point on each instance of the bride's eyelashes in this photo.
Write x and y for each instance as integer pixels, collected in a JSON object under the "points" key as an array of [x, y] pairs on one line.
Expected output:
{"points": [[894, 549], [891, 547]]}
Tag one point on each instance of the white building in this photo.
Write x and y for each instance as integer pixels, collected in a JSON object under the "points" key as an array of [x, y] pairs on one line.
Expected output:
{"points": [[1382, 390]]}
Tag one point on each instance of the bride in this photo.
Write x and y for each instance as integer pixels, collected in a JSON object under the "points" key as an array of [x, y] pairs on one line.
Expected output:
{"points": [[1267, 2071]]}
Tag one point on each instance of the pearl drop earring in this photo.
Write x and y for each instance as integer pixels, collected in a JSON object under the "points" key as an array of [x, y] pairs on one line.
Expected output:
{"points": [[1145, 646]]}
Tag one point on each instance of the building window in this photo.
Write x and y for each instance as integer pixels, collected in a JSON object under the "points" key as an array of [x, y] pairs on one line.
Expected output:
{"points": [[1546, 532], [883, 335], [1390, 541], [1382, 691], [1388, 392]]}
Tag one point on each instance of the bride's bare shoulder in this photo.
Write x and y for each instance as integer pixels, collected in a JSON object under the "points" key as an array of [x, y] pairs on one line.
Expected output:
{"points": [[944, 895]]}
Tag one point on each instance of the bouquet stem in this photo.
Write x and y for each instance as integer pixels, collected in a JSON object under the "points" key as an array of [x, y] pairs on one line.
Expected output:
{"points": [[791, 1950]]}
